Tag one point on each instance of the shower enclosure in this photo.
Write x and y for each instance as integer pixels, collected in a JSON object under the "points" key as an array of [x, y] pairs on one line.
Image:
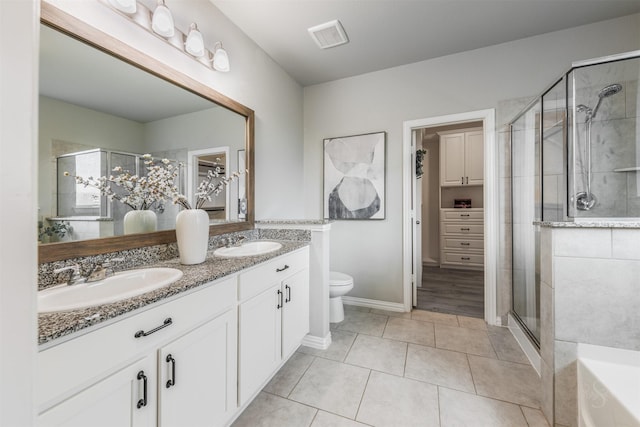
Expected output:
{"points": [[575, 157]]}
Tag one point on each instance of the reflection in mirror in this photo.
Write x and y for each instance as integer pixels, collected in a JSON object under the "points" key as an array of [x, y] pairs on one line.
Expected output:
{"points": [[98, 112]]}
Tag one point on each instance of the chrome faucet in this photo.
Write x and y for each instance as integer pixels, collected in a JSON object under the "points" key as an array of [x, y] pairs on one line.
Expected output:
{"points": [[102, 270], [232, 241], [75, 277]]}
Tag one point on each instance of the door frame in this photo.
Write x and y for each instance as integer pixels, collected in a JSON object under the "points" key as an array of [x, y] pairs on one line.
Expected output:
{"points": [[491, 206]]}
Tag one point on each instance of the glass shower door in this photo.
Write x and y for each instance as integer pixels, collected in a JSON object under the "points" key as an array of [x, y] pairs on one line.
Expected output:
{"points": [[526, 208]]}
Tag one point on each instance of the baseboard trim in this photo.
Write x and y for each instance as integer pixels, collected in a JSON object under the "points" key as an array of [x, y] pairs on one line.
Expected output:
{"points": [[529, 349], [319, 343], [372, 303]]}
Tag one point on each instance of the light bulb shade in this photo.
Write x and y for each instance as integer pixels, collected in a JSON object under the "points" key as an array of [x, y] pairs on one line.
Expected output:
{"points": [[194, 44], [162, 21], [221, 60], [126, 6]]}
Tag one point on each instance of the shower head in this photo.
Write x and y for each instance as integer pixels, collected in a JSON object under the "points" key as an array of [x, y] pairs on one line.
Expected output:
{"points": [[610, 90], [583, 109], [606, 92]]}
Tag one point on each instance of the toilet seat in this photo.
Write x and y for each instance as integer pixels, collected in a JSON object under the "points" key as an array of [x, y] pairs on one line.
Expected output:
{"points": [[339, 279]]}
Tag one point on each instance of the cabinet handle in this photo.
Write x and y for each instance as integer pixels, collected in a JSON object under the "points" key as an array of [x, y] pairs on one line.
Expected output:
{"points": [[465, 243], [462, 180], [278, 270], [465, 229], [465, 258], [172, 381], [279, 306], [467, 180], [143, 402], [142, 333], [465, 215], [288, 289]]}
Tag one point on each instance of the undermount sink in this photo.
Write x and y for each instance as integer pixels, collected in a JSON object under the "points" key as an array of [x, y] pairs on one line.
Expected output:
{"points": [[253, 248], [122, 285]]}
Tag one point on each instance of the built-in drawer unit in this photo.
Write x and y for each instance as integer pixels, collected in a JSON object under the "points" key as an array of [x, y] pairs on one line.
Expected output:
{"points": [[462, 238]]}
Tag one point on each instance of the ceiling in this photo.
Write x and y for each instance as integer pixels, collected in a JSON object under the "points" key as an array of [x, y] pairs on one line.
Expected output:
{"points": [[389, 33]]}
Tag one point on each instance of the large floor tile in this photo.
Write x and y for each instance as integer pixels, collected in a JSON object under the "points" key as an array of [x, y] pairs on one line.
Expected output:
{"points": [[341, 342], [325, 419], [401, 314], [363, 323], [348, 307], [471, 341], [415, 331], [534, 417], [394, 401], [472, 323], [506, 346], [332, 386], [458, 409], [379, 354], [512, 382], [430, 316], [288, 376], [440, 367], [268, 410]]}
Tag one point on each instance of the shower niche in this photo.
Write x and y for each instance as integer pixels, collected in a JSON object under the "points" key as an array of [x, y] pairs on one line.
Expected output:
{"points": [[575, 157]]}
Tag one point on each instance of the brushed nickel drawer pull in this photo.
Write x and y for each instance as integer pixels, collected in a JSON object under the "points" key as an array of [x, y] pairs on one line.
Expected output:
{"points": [[141, 333]]}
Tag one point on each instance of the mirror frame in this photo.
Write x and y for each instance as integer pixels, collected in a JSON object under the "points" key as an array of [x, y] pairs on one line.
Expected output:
{"points": [[79, 30]]}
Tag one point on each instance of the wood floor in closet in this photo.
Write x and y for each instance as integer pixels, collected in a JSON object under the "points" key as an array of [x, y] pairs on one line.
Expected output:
{"points": [[452, 291]]}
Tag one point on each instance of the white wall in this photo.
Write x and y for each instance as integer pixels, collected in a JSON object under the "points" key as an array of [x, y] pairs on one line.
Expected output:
{"points": [[371, 251], [254, 80], [18, 186]]}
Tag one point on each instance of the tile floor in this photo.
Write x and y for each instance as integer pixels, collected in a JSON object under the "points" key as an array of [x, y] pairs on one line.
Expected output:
{"points": [[403, 369]]}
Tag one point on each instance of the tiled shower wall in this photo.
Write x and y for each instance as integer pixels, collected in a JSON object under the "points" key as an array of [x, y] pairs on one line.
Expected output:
{"points": [[589, 294]]}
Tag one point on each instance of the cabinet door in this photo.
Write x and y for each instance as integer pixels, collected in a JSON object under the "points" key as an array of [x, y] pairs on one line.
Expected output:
{"points": [[295, 316], [117, 400], [197, 375], [259, 340], [452, 159], [474, 158]]}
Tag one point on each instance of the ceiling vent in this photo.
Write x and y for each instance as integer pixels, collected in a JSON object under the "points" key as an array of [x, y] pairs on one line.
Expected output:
{"points": [[329, 34]]}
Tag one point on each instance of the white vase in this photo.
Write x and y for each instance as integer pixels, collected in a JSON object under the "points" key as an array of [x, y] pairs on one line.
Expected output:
{"points": [[192, 234], [142, 221]]}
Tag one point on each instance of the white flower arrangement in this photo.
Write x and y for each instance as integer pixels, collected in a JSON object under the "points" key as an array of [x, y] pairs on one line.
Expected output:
{"points": [[147, 192], [208, 188], [140, 192]]}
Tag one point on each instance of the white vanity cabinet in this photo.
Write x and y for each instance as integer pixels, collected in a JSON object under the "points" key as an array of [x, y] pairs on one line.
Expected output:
{"points": [[273, 318], [461, 157], [117, 375]]}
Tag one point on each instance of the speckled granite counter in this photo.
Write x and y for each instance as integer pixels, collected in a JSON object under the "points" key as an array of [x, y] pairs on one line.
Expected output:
{"points": [[295, 221], [589, 224], [60, 324]]}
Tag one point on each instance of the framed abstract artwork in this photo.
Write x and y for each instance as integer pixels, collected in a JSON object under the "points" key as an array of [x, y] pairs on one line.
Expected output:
{"points": [[354, 176]]}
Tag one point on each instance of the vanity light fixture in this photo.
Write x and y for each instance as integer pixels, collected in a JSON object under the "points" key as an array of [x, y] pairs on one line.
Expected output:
{"points": [[194, 44], [162, 21], [220, 58], [126, 6]]}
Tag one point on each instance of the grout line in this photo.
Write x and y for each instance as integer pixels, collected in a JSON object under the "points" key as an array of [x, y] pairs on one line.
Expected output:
{"points": [[355, 418], [305, 371], [475, 389], [525, 417], [439, 406]]}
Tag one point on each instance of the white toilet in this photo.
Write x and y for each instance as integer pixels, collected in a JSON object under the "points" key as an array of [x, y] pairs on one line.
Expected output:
{"points": [[339, 284]]}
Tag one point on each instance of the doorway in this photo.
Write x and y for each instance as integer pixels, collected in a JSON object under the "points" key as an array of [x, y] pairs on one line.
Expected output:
{"points": [[482, 189], [450, 219]]}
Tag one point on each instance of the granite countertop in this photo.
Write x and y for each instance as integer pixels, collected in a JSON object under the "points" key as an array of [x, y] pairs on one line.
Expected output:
{"points": [[589, 224], [295, 221], [52, 326]]}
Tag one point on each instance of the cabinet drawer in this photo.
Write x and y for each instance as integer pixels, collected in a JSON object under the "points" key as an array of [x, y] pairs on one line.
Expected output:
{"points": [[259, 278], [461, 244], [461, 228], [460, 258], [462, 215], [101, 351]]}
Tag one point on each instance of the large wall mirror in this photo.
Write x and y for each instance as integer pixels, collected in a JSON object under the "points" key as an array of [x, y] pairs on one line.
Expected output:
{"points": [[103, 105]]}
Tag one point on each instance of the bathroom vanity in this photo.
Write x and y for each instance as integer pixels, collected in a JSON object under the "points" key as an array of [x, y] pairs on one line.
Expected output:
{"points": [[197, 355]]}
